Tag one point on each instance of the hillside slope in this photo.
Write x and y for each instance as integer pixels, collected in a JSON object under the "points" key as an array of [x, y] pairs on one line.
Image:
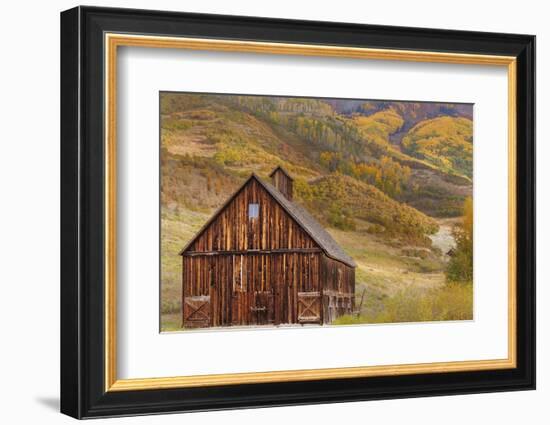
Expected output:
{"points": [[375, 197], [446, 142], [310, 138], [338, 201]]}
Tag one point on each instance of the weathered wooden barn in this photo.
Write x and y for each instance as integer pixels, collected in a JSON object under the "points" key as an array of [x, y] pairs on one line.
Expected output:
{"points": [[261, 259]]}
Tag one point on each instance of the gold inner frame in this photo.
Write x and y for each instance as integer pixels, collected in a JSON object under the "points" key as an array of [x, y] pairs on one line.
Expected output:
{"points": [[113, 41]]}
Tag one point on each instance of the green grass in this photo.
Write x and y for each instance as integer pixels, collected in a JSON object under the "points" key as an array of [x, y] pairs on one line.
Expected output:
{"points": [[384, 272], [176, 229], [171, 322], [453, 301]]}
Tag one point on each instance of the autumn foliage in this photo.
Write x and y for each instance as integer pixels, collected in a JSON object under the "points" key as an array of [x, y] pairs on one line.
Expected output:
{"points": [[461, 265]]}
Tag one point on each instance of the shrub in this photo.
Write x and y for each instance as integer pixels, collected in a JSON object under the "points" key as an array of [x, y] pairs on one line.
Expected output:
{"points": [[340, 218], [461, 265], [453, 301]]}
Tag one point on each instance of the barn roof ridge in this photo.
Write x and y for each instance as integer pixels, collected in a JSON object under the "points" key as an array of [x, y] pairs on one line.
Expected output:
{"points": [[310, 225]]}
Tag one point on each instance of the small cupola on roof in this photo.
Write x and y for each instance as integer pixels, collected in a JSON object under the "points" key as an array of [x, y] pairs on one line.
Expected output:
{"points": [[282, 181]]}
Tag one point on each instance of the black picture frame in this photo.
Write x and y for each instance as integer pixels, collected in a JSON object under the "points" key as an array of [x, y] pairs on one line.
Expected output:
{"points": [[82, 212]]}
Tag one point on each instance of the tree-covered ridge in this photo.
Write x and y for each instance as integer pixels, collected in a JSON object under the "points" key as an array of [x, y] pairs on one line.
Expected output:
{"points": [[446, 142], [310, 137], [340, 200], [411, 112], [381, 124]]}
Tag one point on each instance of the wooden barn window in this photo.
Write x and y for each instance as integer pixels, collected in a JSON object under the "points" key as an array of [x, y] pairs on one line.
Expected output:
{"points": [[253, 211]]}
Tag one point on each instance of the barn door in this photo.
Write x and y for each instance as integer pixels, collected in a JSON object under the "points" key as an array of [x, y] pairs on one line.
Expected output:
{"points": [[196, 312], [309, 307], [261, 308]]}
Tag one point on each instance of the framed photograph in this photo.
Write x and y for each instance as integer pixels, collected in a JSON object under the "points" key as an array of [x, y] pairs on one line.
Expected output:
{"points": [[261, 212]]}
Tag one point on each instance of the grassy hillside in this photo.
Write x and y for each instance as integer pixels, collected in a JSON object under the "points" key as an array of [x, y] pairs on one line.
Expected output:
{"points": [[339, 201]]}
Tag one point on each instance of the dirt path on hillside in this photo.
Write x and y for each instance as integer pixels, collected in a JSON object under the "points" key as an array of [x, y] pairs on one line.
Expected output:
{"points": [[444, 239]]}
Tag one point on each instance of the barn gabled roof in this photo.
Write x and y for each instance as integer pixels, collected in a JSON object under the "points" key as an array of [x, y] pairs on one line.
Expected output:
{"points": [[282, 170], [299, 214], [312, 227]]}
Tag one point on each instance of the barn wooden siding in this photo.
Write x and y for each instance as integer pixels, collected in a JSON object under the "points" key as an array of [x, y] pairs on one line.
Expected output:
{"points": [[262, 289], [248, 289], [260, 271], [338, 296], [232, 230], [283, 182]]}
